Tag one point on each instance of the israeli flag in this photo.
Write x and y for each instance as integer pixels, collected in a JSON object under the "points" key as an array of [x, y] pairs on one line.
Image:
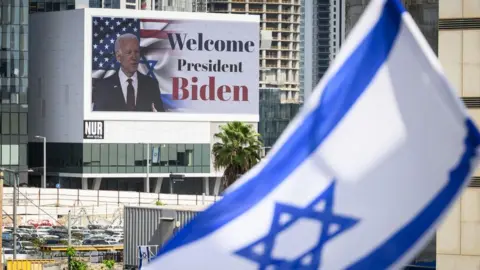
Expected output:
{"points": [[363, 175], [144, 256]]}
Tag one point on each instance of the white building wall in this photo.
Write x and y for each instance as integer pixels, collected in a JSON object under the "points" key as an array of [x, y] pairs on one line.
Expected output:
{"points": [[56, 76]]}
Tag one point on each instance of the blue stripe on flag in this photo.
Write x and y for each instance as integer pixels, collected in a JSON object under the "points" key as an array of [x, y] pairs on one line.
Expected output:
{"points": [[395, 247], [341, 92]]}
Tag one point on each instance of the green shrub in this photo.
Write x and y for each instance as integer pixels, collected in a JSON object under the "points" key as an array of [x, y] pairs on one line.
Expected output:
{"points": [[109, 264]]}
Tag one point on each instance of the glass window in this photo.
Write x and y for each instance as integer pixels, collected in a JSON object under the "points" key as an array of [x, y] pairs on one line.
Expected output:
{"points": [[5, 123], [103, 154], [14, 159], [130, 155], [172, 154], [205, 154], [189, 154], [23, 124], [48, 6], [163, 155], [87, 154], [95, 154], [24, 3], [113, 154], [122, 154], [5, 14], [23, 154], [197, 155], [24, 14], [181, 158], [139, 157], [5, 154], [14, 37], [23, 41], [14, 123]]}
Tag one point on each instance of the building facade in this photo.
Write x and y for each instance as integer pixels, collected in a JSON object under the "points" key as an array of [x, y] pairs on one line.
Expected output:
{"points": [[424, 12], [328, 23], [279, 63], [14, 87], [458, 241], [322, 35], [274, 116]]}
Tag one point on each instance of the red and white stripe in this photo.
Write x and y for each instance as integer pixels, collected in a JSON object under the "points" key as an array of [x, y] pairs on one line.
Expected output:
{"points": [[152, 30]]}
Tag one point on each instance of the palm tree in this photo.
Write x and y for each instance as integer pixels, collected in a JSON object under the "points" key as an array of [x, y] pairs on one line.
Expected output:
{"points": [[237, 152]]}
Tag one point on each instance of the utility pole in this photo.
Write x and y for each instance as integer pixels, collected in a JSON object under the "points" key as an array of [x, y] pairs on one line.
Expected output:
{"points": [[1, 219], [69, 239], [148, 169], [44, 178], [15, 187], [69, 228]]}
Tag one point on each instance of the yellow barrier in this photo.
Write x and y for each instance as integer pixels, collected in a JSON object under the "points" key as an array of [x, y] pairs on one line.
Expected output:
{"points": [[27, 264], [82, 248]]}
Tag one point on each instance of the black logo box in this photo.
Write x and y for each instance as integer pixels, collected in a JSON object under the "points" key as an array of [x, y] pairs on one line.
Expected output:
{"points": [[93, 129]]}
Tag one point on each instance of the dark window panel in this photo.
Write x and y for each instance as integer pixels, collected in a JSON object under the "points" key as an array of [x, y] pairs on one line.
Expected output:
{"points": [[205, 154], [5, 118], [104, 154], [87, 154], [14, 123], [130, 155], [23, 123], [122, 154], [113, 154]]}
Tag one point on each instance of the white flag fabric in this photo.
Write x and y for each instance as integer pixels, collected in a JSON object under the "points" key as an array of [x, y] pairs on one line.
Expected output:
{"points": [[361, 177]]}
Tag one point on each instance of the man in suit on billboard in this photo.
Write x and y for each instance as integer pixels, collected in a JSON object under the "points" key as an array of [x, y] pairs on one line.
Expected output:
{"points": [[128, 89]]}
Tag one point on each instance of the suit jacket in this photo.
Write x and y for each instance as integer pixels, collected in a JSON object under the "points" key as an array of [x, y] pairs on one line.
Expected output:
{"points": [[108, 95]]}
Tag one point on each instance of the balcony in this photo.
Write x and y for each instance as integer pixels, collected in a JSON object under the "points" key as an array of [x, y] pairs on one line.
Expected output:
{"points": [[272, 11], [216, 10], [255, 10], [239, 10]]}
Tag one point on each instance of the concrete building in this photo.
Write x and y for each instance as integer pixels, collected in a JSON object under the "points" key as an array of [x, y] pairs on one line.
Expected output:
{"points": [[165, 5], [326, 24], [14, 86], [458, 238], [322, 33], [279, 63]]}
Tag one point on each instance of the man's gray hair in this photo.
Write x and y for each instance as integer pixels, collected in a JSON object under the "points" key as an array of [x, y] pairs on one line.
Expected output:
{"points": [[123, 37]]}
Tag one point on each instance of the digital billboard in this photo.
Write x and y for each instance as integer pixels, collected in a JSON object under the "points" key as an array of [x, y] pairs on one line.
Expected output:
{"points": [[174, 66]]}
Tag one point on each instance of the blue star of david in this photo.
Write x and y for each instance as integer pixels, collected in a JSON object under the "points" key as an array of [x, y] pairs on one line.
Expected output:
{"points": [[150, 64], [320, 210]]}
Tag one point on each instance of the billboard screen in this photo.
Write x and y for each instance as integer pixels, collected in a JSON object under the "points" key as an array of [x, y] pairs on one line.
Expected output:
{"points": [[174, 66]]}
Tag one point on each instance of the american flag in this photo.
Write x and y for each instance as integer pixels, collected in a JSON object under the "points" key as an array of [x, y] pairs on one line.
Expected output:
{"points": [[106, 30]]}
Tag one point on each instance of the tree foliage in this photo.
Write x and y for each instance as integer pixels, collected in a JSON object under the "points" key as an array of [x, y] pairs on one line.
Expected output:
{"points": [[237, 151]]}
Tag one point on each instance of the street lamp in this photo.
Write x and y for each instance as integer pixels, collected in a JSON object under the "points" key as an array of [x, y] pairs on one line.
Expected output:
{"points": [[44, 178], [147, 182], [15, 190]]}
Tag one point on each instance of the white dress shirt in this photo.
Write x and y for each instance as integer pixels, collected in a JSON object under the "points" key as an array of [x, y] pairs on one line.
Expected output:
{"points": [[124, 83]]}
